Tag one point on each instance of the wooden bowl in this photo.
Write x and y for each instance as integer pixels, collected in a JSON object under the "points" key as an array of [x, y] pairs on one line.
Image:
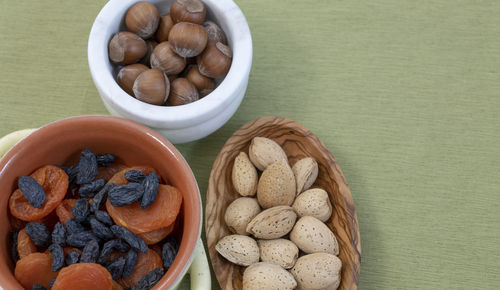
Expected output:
{"points": [[297, 142]]}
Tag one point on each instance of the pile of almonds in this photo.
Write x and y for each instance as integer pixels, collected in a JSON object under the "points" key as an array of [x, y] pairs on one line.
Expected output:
{"points": [[281, 253], [172, 59]]}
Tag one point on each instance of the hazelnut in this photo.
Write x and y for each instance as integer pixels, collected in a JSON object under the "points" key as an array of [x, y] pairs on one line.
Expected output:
{"points": [[164, 58], [188, 11], [187, 39], [182, 92], [142, 19], [204, 84], [214, 32], [215, 60], [164, 27], [127, 76], [126, 48], [152, 86], [150, 44]]}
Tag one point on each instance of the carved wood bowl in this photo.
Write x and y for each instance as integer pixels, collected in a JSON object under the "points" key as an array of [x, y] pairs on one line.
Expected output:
{"points": [[297, 142]]}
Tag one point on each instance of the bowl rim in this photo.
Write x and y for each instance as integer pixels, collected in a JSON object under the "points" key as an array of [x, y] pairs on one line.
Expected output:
{"points": [[163, 116], [37, 135]]}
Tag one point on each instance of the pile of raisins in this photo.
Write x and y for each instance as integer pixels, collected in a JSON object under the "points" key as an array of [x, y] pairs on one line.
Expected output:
{"points": [[91, 234]]}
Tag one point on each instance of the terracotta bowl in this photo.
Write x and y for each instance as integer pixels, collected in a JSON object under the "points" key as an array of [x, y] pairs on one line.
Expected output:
{"points": [[297, 142], [135, 144]]}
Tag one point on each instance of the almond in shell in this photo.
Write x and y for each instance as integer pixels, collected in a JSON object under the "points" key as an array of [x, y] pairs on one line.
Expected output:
{"points": [[313, 202], [306, 172], [264, 152], [272, 223], [238, 249], [240, 212], [312, 236], [269, 276], [244, 175], [317, 271], [279, 251], [276, 185]]}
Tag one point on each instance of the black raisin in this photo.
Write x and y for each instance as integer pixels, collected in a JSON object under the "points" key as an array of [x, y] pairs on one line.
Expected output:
{"points": [[73, 227], [72, 172], [32, 191], [81, 210], [90, 252], [168, 253], [100, 197], [80, 239], [38, 233], [130, 261], [103, 217], [115, 268], [72, 258], [105, 159], [13, 250], [126, 194], [51, 284], [38, 287], [121, 246], [57, 253], [87, 167], [132, 239], [150, 184], [100, 230], [107, 248], [135, 176], [171, 239], [90, 189], [59, 234], [151, 278]]}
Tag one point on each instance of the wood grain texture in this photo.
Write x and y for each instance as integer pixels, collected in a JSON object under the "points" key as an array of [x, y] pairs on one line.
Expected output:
{"points": [[297, 142]]}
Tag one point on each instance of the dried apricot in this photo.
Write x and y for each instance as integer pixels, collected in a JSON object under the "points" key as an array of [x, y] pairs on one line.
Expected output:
{"points": [[55, 183], [145, 263], [33, 269], [155, 236], [119, 177], [63, 210], [160, 214], [25, 245], [83, 276]]}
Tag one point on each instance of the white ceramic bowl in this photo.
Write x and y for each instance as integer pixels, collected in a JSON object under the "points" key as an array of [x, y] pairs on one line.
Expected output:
{"points": [[184, 123]]}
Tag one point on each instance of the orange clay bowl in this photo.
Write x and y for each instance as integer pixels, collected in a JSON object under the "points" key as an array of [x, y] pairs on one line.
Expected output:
{"points": [[134, 144], [297, 142]]}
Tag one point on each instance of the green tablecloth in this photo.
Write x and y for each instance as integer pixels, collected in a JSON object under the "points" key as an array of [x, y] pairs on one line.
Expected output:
{"points": [[405, 94]]}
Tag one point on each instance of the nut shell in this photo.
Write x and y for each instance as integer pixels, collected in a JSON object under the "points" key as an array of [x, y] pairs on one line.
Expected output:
{"points": [[313, 202], [317, 271], [313, 236], [164, 58], [280, 251], [306, 172], [126, 48], [276, 185], [127, 76], [272, 223], [238, 249], [204, 84], [193, 11], [142, 19], [214, 32], [152, 87], [264, 152], [182, 92], [187, 39], [164, 27], [269, 276], [244, 175], [215, 60], [239, 213]]}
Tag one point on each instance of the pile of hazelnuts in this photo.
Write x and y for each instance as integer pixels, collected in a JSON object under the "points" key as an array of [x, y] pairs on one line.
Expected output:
{"points": [[172, 59]]}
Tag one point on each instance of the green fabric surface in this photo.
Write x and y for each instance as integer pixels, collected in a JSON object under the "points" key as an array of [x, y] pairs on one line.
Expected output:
{"points": [[405, 94]]}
